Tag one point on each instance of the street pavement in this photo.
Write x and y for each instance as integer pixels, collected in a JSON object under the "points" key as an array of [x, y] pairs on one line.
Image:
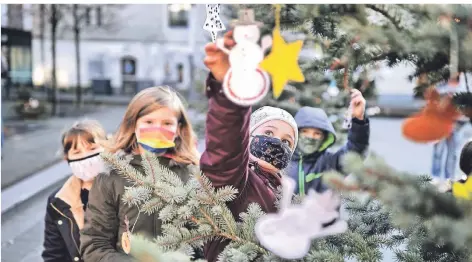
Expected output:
{"points": [[22, 227], [25, 154]]}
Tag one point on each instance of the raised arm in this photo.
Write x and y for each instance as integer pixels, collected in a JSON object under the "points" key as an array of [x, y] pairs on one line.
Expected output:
{"points": [[226, 156], [357, 141], [358, 136], [99, 235]]}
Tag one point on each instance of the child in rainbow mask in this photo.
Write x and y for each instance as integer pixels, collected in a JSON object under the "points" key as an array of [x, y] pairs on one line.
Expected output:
{"points": [[155, 121], [65, 209]]}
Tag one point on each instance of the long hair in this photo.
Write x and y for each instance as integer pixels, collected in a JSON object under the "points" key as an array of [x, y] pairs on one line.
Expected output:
{"points": [[88, 131], [146, 102]]}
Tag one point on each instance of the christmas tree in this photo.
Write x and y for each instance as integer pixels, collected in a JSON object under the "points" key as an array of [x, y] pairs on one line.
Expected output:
{"points": [[195, 212], [326, 86], [387, 209], [356, 39], [434, 226]]}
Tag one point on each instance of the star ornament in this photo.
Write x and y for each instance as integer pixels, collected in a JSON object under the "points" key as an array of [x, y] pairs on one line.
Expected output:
{"points": [[213, 23], [282, 63]]}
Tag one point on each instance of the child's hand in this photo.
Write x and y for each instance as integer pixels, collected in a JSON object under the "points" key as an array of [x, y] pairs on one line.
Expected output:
{"points": [[216, 60], [358, 104]]}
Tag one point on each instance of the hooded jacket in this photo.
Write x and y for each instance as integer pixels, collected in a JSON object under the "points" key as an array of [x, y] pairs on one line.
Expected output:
{"points": [[306, 170]]}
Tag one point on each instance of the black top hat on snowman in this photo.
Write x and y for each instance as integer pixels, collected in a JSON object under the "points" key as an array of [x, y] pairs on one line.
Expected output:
{"points": [[246, 16]]}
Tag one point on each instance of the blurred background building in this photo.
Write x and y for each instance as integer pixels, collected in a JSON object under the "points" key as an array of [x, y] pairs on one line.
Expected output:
{"points": [[141, 44]]}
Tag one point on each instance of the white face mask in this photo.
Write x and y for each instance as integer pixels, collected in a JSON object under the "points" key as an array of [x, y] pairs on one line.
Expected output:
{"points": [[87, 168]]}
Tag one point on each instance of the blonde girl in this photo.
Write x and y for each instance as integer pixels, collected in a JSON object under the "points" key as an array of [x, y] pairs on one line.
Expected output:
{"points": [[155, 112]]}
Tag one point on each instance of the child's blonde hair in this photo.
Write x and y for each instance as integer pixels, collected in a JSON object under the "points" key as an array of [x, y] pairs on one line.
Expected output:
{"points": [[89, 131], [145, 102]]}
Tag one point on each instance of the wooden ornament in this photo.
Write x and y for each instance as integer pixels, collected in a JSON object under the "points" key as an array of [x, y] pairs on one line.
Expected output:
{"points": [[126, 238], [126, 242]]}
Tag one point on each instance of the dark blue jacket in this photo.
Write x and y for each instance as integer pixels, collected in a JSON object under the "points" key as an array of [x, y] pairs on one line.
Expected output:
{"points": [[306, 170]]}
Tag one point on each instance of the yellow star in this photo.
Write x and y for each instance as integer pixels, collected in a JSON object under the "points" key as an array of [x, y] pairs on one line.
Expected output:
{"points": [[282, 63]]}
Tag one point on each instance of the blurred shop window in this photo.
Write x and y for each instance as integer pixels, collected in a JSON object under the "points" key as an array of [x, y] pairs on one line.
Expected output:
{"points": [[96, 69], [178, 15], [20, 64]]}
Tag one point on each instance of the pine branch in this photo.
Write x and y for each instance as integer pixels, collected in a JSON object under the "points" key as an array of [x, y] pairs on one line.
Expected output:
{"points": [[226, 214], [122, 166], [394, 20], [429, 219]]}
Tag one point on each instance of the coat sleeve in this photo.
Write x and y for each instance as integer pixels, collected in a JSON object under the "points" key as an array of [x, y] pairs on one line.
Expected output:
{"points": [[357, 141], [226, 157], [55, 249], [100, 233]]}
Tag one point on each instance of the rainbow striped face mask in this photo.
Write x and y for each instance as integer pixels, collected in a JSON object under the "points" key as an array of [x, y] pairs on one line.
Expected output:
{"points": [[156, 140]]}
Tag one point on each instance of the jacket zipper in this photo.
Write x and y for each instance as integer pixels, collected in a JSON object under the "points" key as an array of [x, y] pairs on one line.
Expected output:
{"points": [[71, 227], [301, 178]]}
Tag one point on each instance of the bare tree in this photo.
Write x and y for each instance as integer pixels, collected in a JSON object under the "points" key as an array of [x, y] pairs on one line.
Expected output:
{"points": [[42, 29], [50, 17], [82, 20], [64, 18], [54, 19]]}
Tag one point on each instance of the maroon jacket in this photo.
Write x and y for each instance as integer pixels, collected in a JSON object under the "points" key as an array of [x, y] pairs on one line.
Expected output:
{"points": [[225, 160]]}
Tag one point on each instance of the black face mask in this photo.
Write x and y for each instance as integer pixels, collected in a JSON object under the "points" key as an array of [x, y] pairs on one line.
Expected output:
{"points": [[271, 150]]}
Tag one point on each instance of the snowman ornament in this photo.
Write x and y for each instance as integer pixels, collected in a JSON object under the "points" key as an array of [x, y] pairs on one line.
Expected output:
{"points": [[246, 83], [289, 233]]}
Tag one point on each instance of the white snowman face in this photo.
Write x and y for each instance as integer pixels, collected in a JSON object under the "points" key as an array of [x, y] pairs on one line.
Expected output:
{"points": [[249, 33]]}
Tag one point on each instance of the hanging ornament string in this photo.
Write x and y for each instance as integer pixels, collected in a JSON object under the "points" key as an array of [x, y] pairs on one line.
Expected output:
{"points": [[346, 78], [347, 123], [466, 82], [344, 62], [278, 9], [454, 53]]}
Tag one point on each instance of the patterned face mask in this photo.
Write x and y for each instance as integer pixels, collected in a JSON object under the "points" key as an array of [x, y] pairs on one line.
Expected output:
{"points": [[271, 150], [87, 168]]}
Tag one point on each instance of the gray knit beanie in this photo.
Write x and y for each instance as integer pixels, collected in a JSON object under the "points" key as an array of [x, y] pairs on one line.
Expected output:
{"points": [[267, 113]]}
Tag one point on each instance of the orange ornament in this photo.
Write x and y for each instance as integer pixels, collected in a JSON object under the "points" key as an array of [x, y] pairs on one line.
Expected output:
{"points": [[435, 122]]}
